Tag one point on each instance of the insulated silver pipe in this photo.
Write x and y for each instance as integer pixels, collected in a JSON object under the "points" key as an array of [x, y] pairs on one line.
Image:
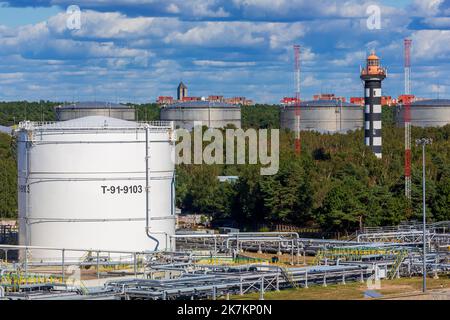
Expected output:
{"points": [[147, 189]]}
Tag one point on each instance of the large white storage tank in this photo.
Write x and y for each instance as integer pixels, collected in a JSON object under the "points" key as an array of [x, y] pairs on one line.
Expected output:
{"points": [[83, 184]]}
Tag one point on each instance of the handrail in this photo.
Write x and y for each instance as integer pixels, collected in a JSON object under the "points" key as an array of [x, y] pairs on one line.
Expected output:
{"points": [[17, 247], [29, 125]]}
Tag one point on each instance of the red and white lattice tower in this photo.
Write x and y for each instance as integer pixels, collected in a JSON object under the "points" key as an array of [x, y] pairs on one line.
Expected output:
{"points": [[407, 117], [297, 97]]}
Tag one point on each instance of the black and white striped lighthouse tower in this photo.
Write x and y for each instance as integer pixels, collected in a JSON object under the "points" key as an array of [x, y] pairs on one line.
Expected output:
{"points": [[372, 75]]}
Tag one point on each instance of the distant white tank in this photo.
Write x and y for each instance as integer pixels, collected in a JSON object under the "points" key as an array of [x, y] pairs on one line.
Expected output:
{"points": [[83, 184], [325, 116], [211, 114], [425, 113], [86, 109]]}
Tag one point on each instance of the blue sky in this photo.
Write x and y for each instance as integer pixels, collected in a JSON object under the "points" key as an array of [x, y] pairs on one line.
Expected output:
{"points": [[136, 50]]}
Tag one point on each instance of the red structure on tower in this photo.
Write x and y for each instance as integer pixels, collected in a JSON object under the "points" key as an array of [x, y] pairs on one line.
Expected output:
{"points": [[297, 97]]}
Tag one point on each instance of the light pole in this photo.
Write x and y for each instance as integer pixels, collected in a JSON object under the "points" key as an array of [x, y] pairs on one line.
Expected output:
{"points": [[423, 142]]}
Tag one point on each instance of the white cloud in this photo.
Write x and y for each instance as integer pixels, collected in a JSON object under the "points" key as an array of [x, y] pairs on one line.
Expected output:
{"points": [[350, 59], [437, 22], [235, 34], [426, 8], [284, 34], [39, 41], [107, 25], [431, 45], [215, 63], [435, 88], [10, 78], [218, 34], [173, 8], [145, 53], [304, 9], [309, 81]]}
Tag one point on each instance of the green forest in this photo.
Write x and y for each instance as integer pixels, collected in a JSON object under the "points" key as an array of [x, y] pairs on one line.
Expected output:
{"points": [[12, 113], [336, 183]]}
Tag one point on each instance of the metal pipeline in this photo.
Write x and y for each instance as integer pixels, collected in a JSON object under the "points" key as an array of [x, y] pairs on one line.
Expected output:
{"points": [[181, 236], [280, 240], [255, 239], [244, 235], [167, 236], [271, 233], [147, 188]]}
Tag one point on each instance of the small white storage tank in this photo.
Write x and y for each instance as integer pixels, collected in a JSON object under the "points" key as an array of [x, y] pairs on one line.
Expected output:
{"points": [[425, 113], [85, 109], [325, 116], [211, 114], [83, 184]]}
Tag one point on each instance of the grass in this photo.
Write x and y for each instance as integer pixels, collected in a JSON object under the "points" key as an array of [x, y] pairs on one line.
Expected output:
{"points": [[338, 292], [283, 259], [351, 291]]}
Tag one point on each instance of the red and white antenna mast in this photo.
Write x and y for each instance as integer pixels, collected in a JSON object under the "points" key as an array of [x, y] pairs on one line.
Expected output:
{"points": [[407, 117], [297, 97]]}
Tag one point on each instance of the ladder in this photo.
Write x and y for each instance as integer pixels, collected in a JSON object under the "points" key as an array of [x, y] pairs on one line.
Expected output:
{"points": [[397, 263], [288, 276], [318, 257], [84, 290]]}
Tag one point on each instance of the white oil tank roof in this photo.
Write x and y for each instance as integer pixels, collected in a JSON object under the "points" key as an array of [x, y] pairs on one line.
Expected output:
{"points": [[94, 105], [93, 122], [432, 103], [99, 121], [326, 103], [201, 104]]}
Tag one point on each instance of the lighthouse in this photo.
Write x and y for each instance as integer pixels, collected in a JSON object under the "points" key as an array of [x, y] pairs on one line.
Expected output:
{"points": [[372, 76]]}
